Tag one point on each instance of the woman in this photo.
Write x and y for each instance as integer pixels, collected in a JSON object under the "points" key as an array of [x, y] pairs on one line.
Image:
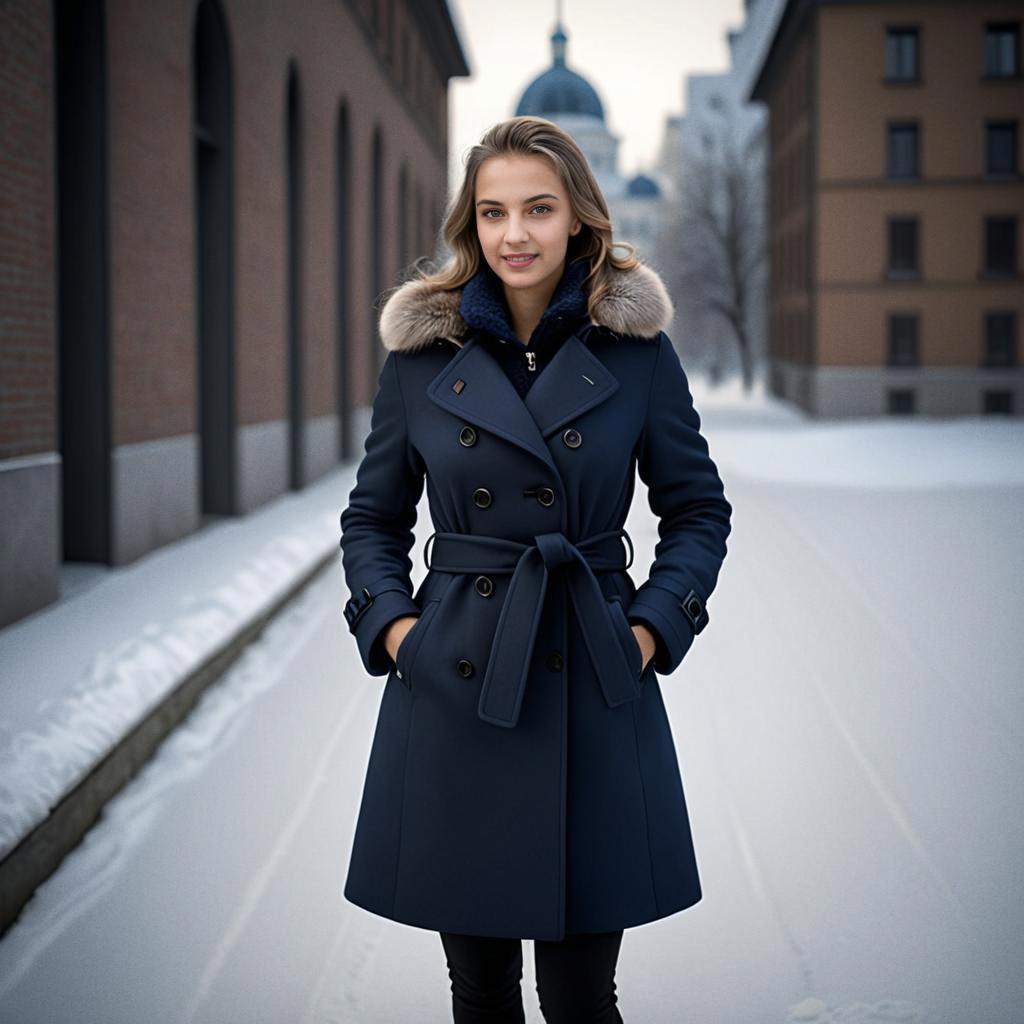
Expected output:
{"points": [[522, 781]]}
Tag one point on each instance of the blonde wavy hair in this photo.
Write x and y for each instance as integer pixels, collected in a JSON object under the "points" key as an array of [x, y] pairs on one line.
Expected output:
{"points": [[532, 136]]}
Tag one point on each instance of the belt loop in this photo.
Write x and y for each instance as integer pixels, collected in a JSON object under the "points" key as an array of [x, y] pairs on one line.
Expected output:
{"points": [[629, 540], [426, 560]]}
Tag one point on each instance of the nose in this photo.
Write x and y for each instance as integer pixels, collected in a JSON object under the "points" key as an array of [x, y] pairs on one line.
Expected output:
{"points": [[515, 230]]}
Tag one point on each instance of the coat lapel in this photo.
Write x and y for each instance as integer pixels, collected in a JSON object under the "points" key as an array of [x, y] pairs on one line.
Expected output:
{"points": [[474, 387], [574, 381]]}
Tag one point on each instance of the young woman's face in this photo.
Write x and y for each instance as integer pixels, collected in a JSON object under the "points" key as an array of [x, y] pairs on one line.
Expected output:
{"points": [[523, 208]]}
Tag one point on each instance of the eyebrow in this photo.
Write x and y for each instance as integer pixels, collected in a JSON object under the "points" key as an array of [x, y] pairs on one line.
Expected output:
{"points": [[532, 199]]}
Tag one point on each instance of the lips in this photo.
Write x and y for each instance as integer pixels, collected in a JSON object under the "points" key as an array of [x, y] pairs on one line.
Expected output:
{"points": [[520, 261]]}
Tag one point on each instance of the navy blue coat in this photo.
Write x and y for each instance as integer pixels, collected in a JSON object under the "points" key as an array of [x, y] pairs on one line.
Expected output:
{"points": [[522, 779]]}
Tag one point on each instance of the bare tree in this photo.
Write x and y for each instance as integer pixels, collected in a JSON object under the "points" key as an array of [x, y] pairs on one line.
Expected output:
{"points": [[713, 248]]}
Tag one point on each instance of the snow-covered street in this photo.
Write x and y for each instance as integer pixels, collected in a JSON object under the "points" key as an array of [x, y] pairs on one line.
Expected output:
{"points": [[849, 729]]}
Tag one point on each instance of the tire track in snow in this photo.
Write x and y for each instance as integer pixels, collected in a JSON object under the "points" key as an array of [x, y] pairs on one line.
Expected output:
{"points": [[797, 550], [263, 876], [974, 704]]}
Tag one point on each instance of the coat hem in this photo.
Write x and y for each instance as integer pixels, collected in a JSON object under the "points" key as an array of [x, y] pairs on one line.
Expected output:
{"points": [[596, 927]]}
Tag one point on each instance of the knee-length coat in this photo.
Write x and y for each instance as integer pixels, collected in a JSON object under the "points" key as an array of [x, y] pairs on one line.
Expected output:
{"points": [[522, 779]]}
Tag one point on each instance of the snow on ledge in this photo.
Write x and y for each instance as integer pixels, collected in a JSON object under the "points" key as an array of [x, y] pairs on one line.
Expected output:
{"points": [[72, 731]]}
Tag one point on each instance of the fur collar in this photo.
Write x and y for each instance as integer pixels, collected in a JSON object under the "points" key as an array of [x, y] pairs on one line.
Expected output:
{"points": [[637, 305]]}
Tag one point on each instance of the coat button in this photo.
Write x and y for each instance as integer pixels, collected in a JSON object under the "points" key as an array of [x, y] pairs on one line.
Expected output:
{"points": [[465, 668], [572, 438], [545, 496], [482, 497], [484, 586], [467, 437], [554, 661]]}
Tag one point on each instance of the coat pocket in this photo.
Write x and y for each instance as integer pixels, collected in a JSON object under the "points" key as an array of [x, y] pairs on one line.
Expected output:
{"points": [[405, 657], [630, 644]]}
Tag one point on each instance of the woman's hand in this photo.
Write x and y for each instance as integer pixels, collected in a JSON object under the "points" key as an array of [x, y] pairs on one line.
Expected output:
{"points": [[647, 641], [397, 630], [396, 634]]}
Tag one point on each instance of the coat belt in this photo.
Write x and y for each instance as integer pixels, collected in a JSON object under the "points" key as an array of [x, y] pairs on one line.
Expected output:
{"points": [[532, 567]]}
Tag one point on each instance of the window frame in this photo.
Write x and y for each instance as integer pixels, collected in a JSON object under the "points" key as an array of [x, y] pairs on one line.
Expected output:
{"points": [[892, 34], [892, 128], [893, 223], [990, 30]]}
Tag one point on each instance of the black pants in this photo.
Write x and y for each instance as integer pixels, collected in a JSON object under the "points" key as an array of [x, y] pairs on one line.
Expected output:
{"points": [[575, 978]]}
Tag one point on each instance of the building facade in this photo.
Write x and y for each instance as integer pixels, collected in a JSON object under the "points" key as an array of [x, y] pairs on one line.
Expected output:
{"points": [[896, 202], [203, 203]]}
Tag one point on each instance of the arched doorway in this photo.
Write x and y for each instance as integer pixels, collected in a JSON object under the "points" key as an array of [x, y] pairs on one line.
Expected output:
{"points": [[376, 248], [212, 128], [343, 194], [83, 261], [296, 420]]}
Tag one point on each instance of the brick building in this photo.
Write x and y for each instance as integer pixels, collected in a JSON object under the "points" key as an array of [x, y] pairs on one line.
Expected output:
{"points": [[896, 202], [202, 202]]}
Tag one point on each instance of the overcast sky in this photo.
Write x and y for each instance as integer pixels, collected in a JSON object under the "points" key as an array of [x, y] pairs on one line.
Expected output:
{"points": [[635, 53]]}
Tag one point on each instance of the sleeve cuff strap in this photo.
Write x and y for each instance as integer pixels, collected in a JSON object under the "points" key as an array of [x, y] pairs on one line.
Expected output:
{"points": [[663, 612], [386, 606]]}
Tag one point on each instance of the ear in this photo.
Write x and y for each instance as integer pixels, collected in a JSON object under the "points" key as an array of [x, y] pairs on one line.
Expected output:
{"points": [[576, 227]]}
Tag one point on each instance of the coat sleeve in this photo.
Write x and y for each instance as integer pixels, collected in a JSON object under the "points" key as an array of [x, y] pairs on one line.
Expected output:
{"points": [[377, 525], [687, 495]]}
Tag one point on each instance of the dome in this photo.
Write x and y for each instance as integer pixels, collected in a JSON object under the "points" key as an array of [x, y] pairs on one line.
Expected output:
{"points": [[559, 90], [641, 185]]}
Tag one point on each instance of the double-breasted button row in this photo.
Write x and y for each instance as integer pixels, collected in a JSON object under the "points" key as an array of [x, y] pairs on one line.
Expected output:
{"points": [[484, 586], [571, 437], [482, 497]]}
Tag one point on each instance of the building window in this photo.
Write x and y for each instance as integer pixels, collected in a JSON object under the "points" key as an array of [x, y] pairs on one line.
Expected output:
{"points": [[900, 401], [903, 247], [1000, 339], [903, 344], [1001, 147], [902, 48], [1001, 246], [903, 149], [1002, 50], [1000, 401]]}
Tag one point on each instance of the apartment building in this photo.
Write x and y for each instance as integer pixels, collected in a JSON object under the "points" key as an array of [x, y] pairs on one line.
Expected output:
{"points": [[895, 207]]}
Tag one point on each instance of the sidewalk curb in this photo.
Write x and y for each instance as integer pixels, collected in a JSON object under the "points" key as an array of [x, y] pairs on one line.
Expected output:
{"points": [[38, 855]]}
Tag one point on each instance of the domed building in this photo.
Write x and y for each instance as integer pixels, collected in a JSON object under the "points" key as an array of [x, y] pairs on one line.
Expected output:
{"points": [[560, 88], [637, 212], [567, 98]]}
